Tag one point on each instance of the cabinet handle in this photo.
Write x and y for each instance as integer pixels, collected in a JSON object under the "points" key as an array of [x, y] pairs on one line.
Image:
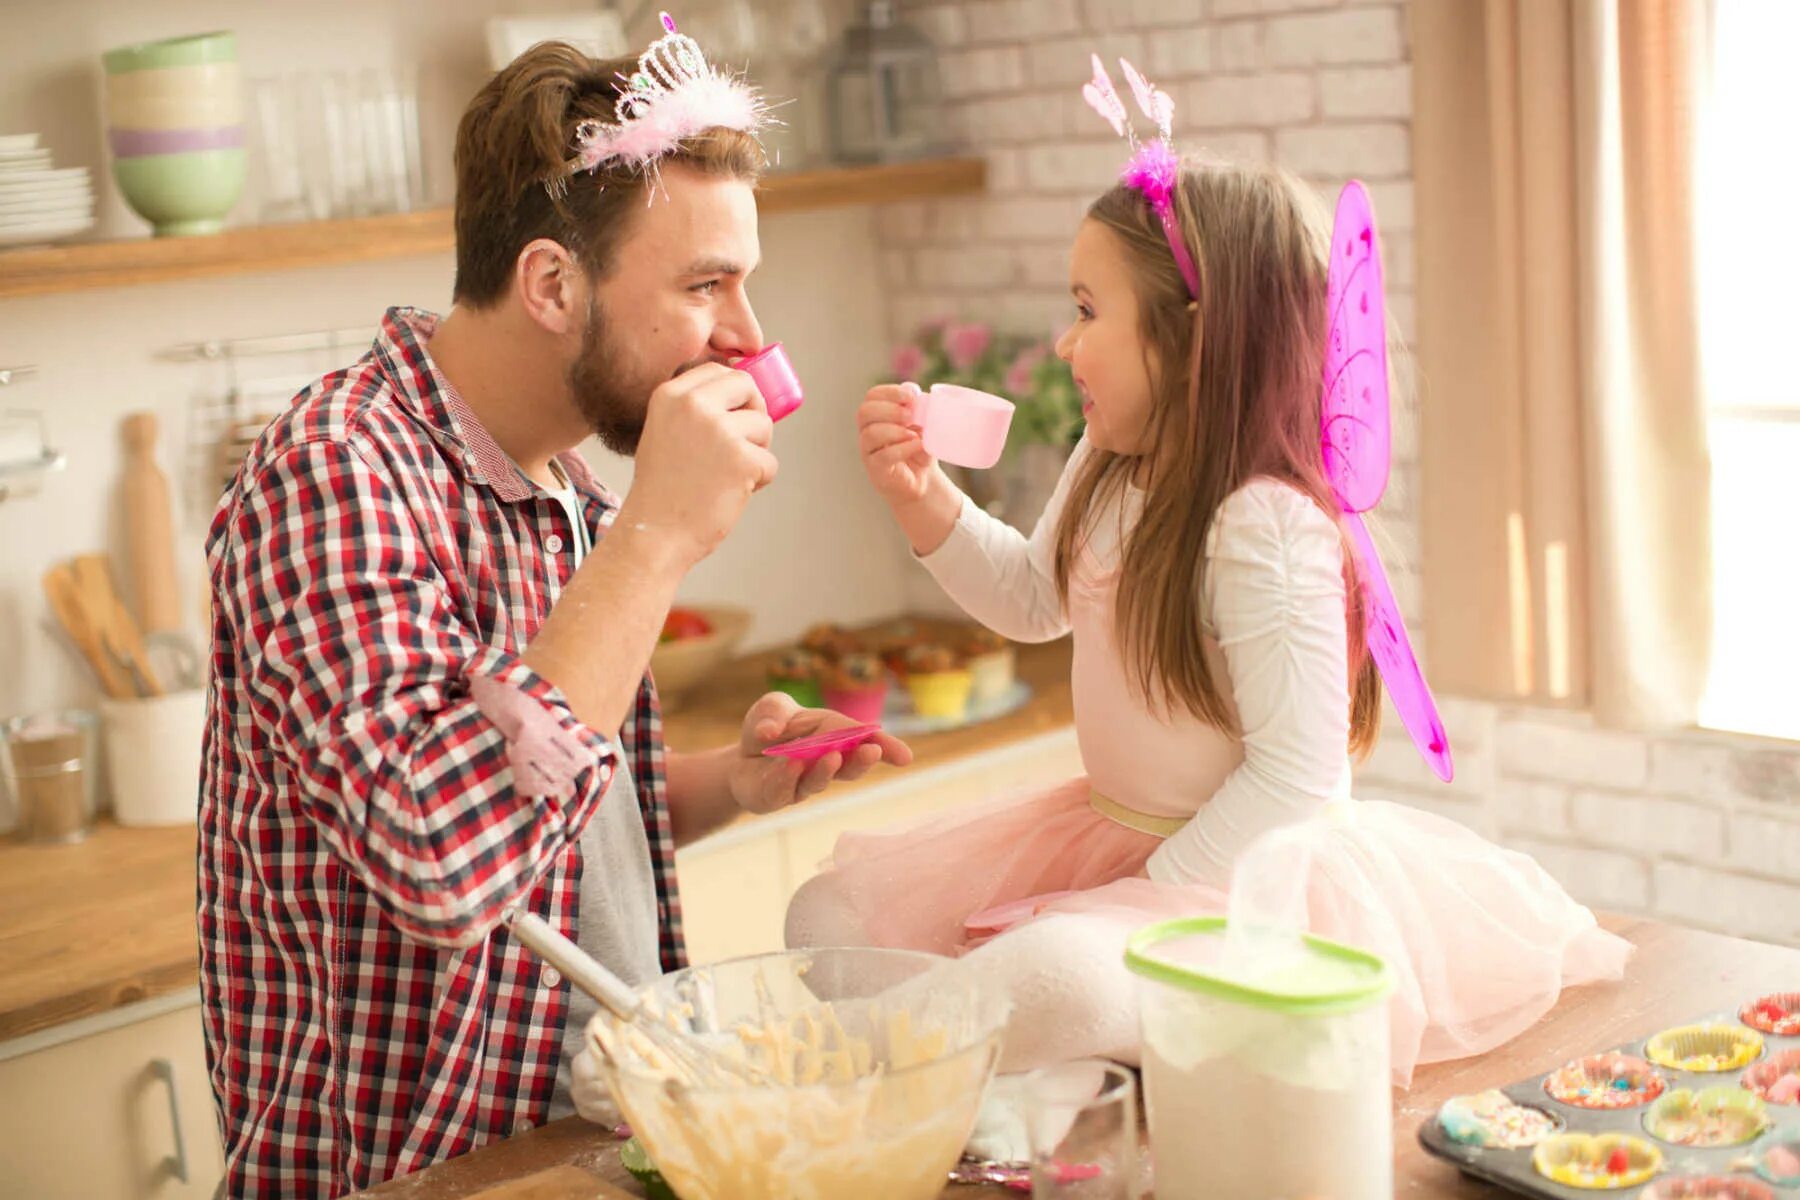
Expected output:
{"points": [[176, 1163]]}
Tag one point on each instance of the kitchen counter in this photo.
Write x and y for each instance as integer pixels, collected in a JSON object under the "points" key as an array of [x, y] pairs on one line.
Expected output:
{"points": [[1676, 974], [109, 922]]}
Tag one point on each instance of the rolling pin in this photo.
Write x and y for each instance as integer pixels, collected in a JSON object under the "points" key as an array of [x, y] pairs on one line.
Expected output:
{"points": [[149, 528]]}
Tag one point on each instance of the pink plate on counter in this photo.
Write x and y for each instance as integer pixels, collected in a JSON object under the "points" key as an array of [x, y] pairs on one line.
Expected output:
{"points": [[816, 746]]}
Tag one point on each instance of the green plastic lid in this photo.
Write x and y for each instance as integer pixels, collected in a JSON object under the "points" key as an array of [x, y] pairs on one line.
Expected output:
{"points": [[1332, 980]]}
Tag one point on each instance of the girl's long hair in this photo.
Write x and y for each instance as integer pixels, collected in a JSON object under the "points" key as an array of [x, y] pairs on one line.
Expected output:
{"points": [[1235, 381]]}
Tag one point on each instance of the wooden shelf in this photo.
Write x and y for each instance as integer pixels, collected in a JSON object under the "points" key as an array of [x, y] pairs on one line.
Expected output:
{"points": [[86, 266]]}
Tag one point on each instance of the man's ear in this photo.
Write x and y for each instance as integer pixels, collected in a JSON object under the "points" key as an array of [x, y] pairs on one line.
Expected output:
{"points": [[546, 276]]}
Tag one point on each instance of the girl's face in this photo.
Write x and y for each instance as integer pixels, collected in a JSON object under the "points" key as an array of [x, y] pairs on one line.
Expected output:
{"points": [[1102, 347]]}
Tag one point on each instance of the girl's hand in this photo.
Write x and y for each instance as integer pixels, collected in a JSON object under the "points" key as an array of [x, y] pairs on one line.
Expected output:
{"points": [[892, 452]]}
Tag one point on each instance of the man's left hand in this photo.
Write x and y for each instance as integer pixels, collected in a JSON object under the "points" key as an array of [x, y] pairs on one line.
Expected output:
{"points": [[763, 784]]}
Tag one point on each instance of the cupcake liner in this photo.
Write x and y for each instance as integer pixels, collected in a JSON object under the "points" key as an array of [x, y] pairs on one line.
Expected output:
{"points": [[1605, 1163], [992, 675], [863, 704], [1704, 1049], [1707, 1187], [1777, 1013], [943, 694], [1776, 1079], [806, 692], [1494, 1120], [1606, 1081], [1779, 1160], [1707, 1119]]}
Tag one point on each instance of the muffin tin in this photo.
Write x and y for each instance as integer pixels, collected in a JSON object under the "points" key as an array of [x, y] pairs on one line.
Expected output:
{"points": [[1707, 1110]]}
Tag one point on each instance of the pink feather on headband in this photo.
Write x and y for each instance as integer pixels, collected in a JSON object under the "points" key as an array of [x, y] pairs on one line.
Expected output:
{"points": [[1152, 171], [697, 105]]}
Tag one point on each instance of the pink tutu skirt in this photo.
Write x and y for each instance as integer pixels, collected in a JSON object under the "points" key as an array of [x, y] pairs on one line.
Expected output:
{"points": [[1481, 940]]}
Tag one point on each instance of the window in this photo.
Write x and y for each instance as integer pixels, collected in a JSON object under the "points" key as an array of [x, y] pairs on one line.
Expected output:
{"points": [[1749, 266]]}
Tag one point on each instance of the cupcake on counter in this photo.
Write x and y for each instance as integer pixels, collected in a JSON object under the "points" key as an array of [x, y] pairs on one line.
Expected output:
{"points": [[992, 663], [938, 682], [894, 644], [798, 672], [857, 686], [830, 642]]}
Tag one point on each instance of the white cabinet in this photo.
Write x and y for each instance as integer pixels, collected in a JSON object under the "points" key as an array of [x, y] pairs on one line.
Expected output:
{"points": [[735, 885], [111, 1110]]}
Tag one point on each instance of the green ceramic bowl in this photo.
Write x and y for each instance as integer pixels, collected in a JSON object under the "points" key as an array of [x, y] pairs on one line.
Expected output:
{"points": [[181, 194], [193, 50]]}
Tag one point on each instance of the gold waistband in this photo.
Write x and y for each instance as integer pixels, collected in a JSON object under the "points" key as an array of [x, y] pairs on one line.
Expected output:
{"points": [[1131, 818]]}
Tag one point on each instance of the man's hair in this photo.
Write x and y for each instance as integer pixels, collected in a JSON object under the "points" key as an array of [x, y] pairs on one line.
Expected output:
{"points": [[518, 134]]}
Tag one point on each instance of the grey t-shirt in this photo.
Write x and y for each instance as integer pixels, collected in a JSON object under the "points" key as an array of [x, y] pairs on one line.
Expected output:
{"points": [[615, 905]]}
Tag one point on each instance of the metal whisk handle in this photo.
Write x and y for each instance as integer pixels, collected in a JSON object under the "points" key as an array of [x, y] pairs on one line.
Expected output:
{"points": [[574, 962]]}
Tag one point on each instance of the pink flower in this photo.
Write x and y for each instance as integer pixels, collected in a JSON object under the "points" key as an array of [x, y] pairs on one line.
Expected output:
{"points": [[965, 344], [933, 325], [908, 360], [1018, 376]]}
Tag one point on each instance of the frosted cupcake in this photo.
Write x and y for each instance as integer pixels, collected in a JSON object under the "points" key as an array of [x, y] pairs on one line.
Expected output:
{"points": [[830, 642], [938, 683], [992, 663], [797, 673], [895, 643], [857, 687]]}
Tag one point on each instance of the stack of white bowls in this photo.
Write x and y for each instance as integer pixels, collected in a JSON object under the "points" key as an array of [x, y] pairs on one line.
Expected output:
{"points": [[38, 202]]}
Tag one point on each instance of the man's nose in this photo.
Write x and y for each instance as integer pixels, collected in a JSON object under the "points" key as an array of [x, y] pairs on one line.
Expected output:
{"points": [[738, 333]]}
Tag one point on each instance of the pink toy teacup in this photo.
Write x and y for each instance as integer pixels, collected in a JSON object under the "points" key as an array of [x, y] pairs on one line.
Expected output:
{"points": [[961, 425], [775, 379]]}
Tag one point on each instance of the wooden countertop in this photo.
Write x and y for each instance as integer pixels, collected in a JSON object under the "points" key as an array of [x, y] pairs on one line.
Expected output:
{"points": [[1676, 974], [95, 926], [110, 921]]}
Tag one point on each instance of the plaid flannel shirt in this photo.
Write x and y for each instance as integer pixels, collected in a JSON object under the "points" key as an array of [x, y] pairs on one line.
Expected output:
{"points": [[359, 832]]}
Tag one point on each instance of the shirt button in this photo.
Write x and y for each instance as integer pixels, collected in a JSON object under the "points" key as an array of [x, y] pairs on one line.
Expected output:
{"points": [[522, 1125], [554, 543], [551, 977]]}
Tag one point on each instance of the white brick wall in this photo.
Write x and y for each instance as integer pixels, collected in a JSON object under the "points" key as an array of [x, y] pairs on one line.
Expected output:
{"points": [[1701, 828]]}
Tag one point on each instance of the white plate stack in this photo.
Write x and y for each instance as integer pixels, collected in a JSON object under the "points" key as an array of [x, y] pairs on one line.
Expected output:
{"points": [[39, 203]]}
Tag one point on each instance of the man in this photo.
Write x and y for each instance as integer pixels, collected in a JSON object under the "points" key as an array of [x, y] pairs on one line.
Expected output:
{"points": [[430, 703]]}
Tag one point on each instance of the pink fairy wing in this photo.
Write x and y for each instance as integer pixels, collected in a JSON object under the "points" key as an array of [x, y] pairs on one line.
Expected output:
{"points": [[1101, 97], [1353, 427], [1354, 409], [1393, 654]]}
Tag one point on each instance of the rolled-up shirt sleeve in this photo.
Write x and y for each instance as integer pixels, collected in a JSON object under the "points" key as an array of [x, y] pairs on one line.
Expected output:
{"points": [[378, 693]]}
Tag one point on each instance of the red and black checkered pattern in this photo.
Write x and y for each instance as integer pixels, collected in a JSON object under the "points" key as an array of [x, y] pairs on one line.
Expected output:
{"points": [[359, 830]]}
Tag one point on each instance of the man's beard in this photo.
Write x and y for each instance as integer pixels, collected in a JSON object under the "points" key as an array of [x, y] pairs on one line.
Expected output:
{"points": [[612, 402]]}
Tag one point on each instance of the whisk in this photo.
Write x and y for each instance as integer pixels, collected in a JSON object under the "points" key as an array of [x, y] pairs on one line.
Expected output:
{"points": [[696, 1063]]}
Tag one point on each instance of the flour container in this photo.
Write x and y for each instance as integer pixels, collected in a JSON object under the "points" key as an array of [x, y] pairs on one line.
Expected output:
{"points": [[1265, 1070]]}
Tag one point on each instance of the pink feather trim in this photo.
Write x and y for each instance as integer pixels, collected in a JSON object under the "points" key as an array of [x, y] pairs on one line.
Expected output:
{"points": [[712, 101], [1152, 171]]}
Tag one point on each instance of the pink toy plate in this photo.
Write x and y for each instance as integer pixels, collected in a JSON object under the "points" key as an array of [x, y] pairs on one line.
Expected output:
{"points": [[816, 746]]}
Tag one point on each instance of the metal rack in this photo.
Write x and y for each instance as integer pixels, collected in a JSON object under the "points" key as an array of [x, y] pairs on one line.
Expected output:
{"points": [[230, 412]]}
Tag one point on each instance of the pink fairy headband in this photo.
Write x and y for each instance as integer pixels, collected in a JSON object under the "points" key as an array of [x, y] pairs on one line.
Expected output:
{"points": [[673, 95], [1153, 167]]}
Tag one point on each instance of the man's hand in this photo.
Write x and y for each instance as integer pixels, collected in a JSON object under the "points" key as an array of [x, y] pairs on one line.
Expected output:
{"points": [[761, 784], [703, 453]]}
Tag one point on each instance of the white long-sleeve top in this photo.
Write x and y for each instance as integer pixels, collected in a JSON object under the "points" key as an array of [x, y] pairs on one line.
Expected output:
{"points": [[1273, 621]]}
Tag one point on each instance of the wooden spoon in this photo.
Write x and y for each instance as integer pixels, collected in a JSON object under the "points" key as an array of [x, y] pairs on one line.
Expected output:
{"points": [[118, 632], [64, 595]]}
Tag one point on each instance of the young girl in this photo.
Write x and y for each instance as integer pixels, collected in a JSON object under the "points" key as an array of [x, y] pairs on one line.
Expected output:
{"points": [[1193, 549]]}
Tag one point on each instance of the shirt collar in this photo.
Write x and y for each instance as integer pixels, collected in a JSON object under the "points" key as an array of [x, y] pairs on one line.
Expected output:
{"points": [[401, 347]]}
